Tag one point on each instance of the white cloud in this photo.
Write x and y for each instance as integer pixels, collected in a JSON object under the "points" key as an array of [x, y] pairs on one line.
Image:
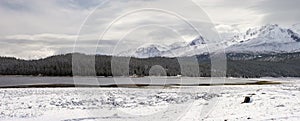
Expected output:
{"points": [[53, 24], [27, 51], [227, 28], [45, 36]]}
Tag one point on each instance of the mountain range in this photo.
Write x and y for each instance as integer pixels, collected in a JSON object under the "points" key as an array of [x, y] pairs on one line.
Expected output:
{"points": [[267, 39]]}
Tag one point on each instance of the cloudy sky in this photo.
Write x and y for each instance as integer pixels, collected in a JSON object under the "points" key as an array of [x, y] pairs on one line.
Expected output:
{"points": [[32, 29]]}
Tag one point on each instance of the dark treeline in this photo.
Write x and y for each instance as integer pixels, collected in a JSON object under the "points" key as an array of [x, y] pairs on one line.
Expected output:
{"points": [[238, 65]]}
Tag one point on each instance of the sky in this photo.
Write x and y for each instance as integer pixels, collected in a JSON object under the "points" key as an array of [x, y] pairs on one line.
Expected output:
{"points": [[32, 29]]}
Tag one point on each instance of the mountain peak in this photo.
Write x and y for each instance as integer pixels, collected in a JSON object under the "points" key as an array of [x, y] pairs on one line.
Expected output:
{"points": [[296, 28], [197, 41], [263, 29], [152, 46], [270, 38], [270, 26], [265, 39], [269, 33], [145, 51]]}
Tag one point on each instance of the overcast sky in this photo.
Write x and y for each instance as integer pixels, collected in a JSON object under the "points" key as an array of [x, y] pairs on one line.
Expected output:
{"points": [[39, 28]]}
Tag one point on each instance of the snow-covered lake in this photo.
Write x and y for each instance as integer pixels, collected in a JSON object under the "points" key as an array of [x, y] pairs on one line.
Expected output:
{"points": [[269, 102], [6, 81]]}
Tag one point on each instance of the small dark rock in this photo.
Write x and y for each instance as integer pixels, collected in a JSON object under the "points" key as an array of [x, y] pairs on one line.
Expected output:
{"points": [[247, 99], [280, 106]]}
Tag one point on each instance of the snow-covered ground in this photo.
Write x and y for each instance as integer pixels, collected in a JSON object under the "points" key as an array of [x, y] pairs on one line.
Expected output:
{"points": [[269, 102]]}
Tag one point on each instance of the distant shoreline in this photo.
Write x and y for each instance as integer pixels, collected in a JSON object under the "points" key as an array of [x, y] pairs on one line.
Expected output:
{"points": [[132, 82], [138, 85], [148, 76]]}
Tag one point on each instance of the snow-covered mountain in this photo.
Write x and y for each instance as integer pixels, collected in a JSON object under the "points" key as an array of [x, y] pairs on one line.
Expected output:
{"points": [[145, 51], [194, 47], [266, 39], [296, 28]]}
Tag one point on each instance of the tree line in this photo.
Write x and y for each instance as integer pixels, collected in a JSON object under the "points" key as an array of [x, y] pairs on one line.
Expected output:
{"points": [[238, 65]]}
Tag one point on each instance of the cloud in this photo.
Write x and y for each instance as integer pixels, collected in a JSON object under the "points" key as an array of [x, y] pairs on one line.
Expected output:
{"points": [[34, 17], [43, 45], [42, 28], [42, 37], [278, 11], [227, 28], [25, 50]]}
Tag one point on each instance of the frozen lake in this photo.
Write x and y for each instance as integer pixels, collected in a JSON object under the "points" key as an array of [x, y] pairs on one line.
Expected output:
{"points": [[7, 81]]}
